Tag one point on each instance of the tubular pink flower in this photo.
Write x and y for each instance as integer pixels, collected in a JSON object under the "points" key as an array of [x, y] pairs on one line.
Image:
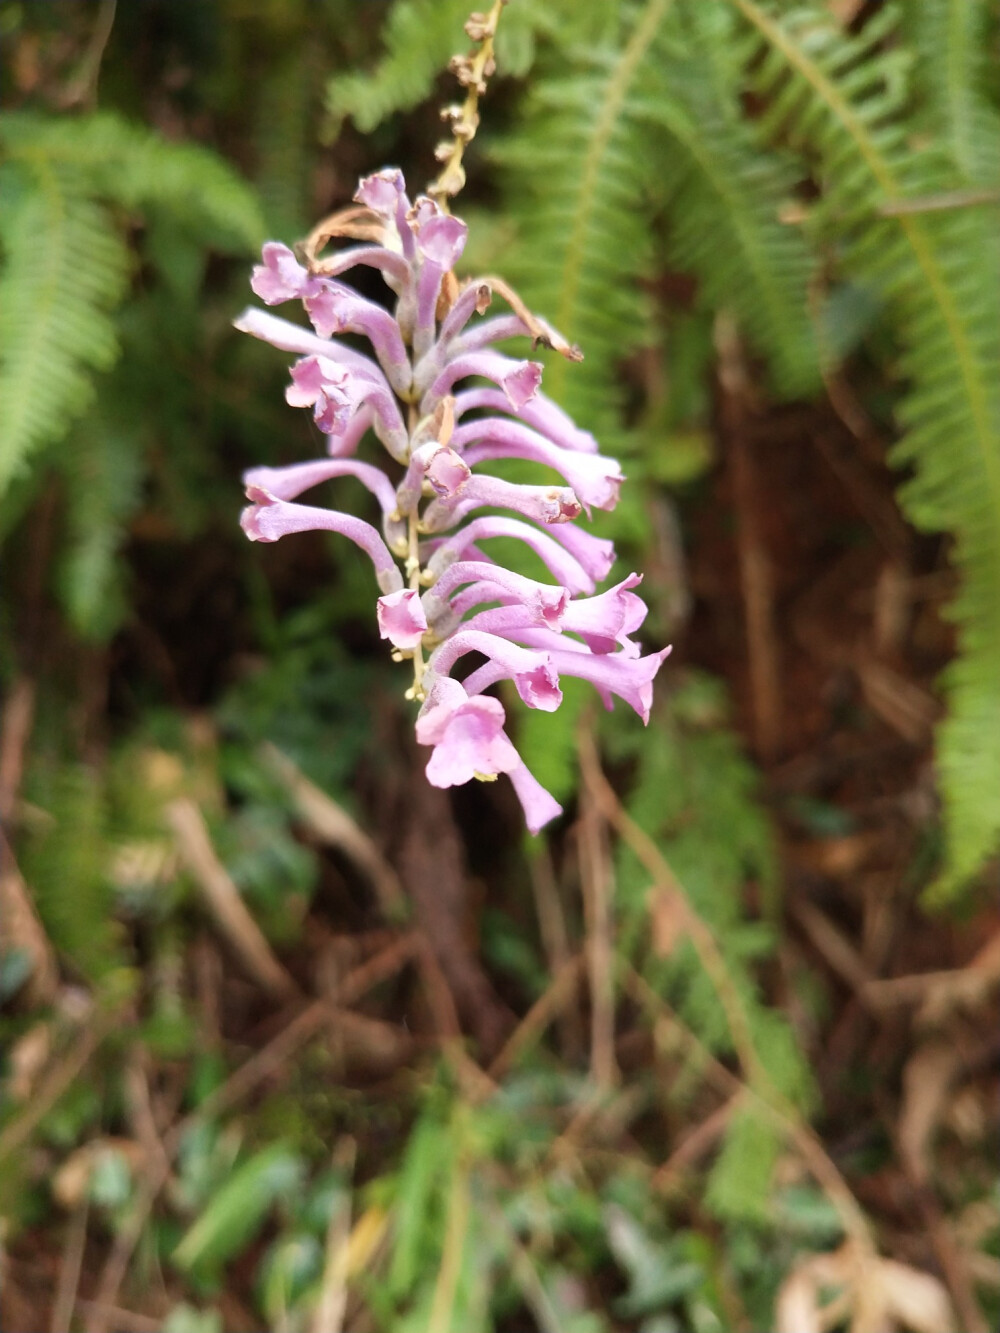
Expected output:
{"points": [[595, 480], [391, 265], [289, 337], [531, 672], [384, 193], [268, 519], [544, 603], [595, 554], [440, 242], [352, 434], [401, 618], [469, 741], [605, 622], [540, 413], [630, 678], [519, 380], [545, 504], [287, 483], [334, 308], [474, 298], [564, 567], [455, 599], [516, 659], [369, 384], [538, 805], [281, 277], [321, 384], [442, 469]]}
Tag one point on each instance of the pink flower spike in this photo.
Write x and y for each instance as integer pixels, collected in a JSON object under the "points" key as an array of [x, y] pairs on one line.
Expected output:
{"points": [[605, 621], [539, 806], [468, 739], [281, 277], [401, 618]]}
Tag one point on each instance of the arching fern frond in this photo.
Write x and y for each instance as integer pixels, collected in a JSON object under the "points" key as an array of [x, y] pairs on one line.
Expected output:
{"points": [[65, 269], [577, 182], [951, 38], [838, 98], [724, 215], [65, 261], [103, 473], [138, 169]]}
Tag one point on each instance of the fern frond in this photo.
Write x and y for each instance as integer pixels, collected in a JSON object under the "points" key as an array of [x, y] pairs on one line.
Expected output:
{"points": [[65, 270], [727, 194], [103, 473], [136, 168], [953, 72], [577, 183], [283, 133], [65, 262], [67, 868], [420, 36], [839, 98]]}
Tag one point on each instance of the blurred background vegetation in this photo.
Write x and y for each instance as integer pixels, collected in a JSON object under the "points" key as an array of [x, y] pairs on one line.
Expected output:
{"points": [[292, 1040]]}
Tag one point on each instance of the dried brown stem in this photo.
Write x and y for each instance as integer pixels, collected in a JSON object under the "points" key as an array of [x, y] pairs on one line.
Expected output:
{"points": [[332, 825], [472, 72], [596, 880], [223, 900]]}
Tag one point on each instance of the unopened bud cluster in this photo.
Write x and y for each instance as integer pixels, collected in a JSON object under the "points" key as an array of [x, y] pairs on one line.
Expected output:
{"points": [[442, 402]]}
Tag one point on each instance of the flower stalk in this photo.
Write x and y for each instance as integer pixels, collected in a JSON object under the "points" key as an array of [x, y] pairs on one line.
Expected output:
{"points": [[472, 72]]}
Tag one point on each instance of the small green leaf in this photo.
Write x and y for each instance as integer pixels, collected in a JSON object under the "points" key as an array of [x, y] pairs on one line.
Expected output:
{"points": [[239, 1208]]}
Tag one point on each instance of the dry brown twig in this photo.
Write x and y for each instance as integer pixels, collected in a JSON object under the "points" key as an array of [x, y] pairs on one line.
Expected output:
{"points": [[597, 883], [667, 883], [332, 1305], [331, 824], [223, 900], [756, 576], [548, 1006], [472, 72], [70, 1269]]}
